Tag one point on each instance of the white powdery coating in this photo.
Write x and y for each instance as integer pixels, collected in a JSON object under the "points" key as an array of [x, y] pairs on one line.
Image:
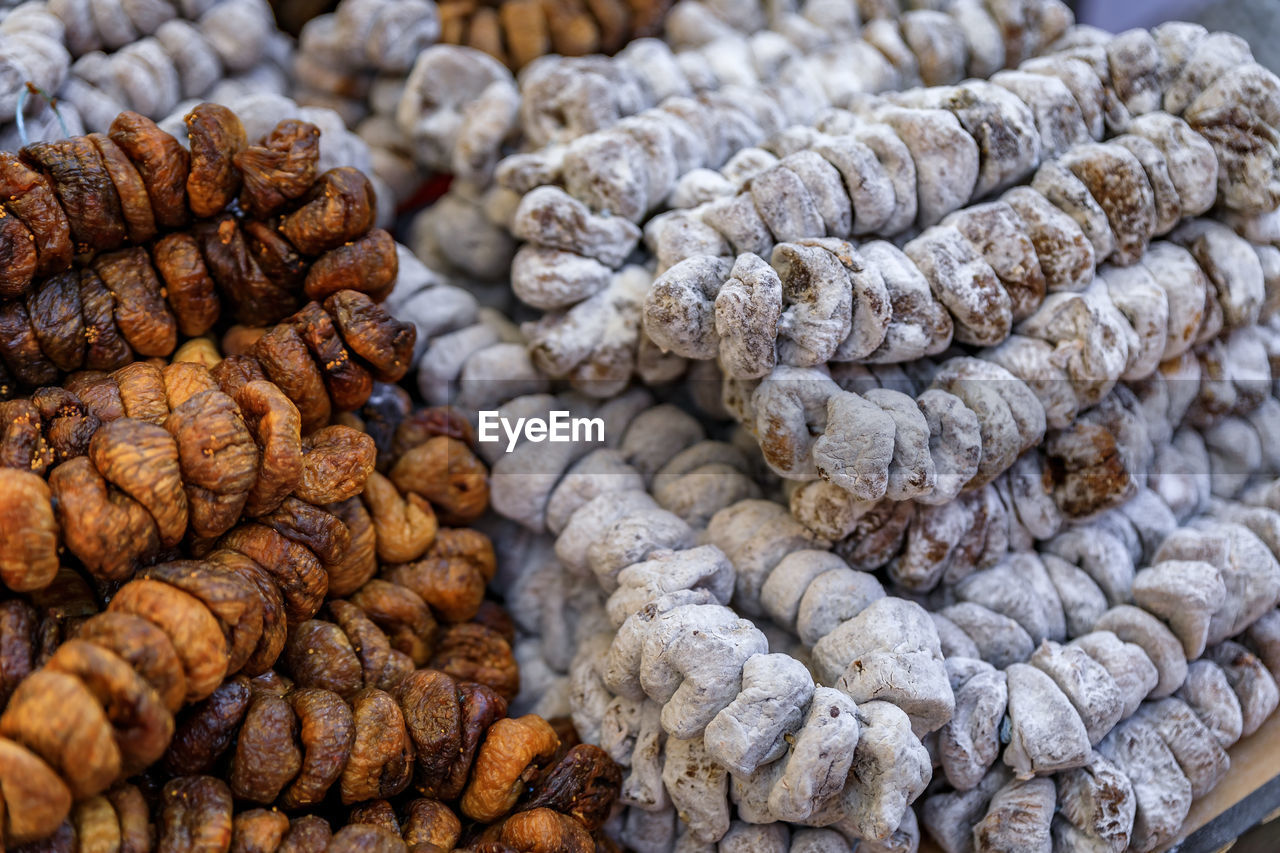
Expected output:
{"points": [[752, 729], [1047, 734]]}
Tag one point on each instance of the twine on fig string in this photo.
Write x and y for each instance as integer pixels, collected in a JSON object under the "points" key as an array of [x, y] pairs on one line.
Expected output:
{"points": [[28, 90]]}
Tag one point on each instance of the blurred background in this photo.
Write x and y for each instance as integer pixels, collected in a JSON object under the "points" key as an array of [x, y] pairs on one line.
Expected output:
{"points": [[1256, 20]]}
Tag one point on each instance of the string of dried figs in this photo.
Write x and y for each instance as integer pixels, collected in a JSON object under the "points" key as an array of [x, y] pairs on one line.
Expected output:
{"points": [[602, 530], [186, 626], [700, 100], [101, 708], [321, 359], [198, 812], [293, 229], [293, 744], [106, 317], [1004, 255], [516, 32], [935, 150], [441, 579], [169, 457], [776, 566], [561, 806], [367, 731], [1155, 332], [167, 638]]}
